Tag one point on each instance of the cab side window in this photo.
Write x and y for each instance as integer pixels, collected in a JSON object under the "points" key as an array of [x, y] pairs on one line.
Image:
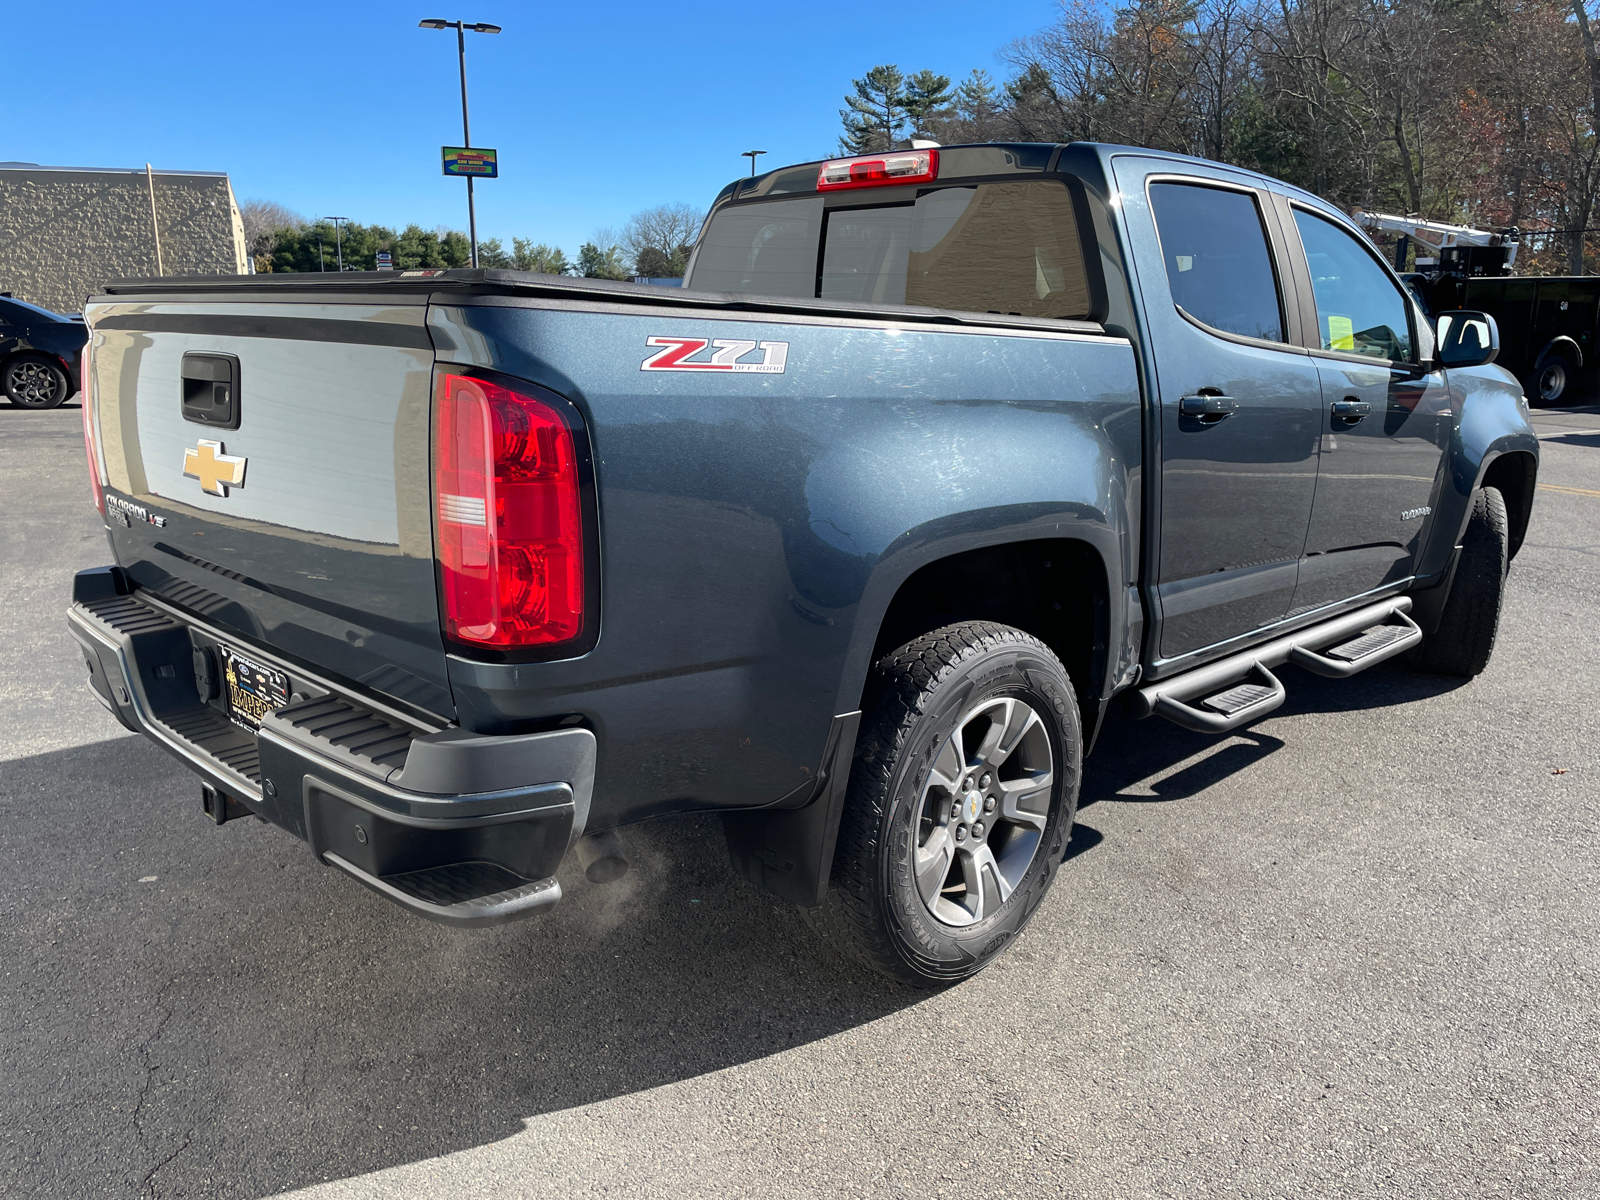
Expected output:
{"points": [[1215, 249], [1359, 309]]}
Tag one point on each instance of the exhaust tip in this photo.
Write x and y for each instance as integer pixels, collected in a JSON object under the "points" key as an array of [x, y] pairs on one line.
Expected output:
{"points": [[602, 857]]}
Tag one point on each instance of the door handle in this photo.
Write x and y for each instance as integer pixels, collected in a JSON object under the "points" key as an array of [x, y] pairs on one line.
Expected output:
{"points": [[1214, 407], [1350, 409]]}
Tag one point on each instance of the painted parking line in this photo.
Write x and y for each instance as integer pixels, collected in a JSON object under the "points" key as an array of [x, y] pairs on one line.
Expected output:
{"points": [[1553, 487]]}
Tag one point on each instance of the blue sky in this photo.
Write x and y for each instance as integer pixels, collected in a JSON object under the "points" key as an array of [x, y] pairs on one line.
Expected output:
{"points": [[597, 109]]}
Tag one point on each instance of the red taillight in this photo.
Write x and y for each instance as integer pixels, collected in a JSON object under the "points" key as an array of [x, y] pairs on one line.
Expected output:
{"points": [[90, 444], [876, 170], [506, 496]]}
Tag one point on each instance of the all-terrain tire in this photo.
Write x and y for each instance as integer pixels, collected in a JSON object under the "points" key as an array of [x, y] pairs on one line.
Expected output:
{"points": [[1464, 641], [33, 381], [923, 699]]}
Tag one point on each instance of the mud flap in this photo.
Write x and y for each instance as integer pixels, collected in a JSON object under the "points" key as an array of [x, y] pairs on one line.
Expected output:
{"points": [[789, 851]]}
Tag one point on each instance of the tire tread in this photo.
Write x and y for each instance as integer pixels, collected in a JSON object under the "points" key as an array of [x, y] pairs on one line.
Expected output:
{"points": [[1470, 623], [900, 689]]}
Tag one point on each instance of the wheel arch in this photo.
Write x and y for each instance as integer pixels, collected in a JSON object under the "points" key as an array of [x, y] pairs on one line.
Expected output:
{"points": [[1492, 426], [1564, 346], [1054, 588], [1515, 474]]}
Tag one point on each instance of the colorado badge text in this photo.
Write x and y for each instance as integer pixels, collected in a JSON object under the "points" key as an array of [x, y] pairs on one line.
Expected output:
{"points": [[128, 512], [216, 471]]}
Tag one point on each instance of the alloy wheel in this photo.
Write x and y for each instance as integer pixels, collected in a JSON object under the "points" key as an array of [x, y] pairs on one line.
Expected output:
{"points": [[984, 808], [33, 384]]}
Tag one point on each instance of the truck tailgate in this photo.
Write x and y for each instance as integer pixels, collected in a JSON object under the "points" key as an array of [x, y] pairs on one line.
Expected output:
{"points": [[300, 518]]}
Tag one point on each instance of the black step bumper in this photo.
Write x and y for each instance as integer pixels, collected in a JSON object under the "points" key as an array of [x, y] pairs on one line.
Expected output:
{"points": [[456, 827]]}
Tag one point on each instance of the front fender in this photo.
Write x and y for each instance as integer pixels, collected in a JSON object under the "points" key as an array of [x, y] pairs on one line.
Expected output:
{"points": [[1491, 420]]}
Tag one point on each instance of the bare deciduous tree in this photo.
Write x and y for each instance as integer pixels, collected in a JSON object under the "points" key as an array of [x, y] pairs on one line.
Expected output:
{"points": [[262, 220], [265, 216], [1487, 110], [658, 239]]}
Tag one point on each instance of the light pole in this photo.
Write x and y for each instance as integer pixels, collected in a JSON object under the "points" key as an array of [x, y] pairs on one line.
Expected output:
{"points": [[461, 28], [751, 155], [338, 236]]}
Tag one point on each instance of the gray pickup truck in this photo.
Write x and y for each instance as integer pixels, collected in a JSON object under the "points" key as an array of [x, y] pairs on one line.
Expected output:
{"points": [[852, 540]]}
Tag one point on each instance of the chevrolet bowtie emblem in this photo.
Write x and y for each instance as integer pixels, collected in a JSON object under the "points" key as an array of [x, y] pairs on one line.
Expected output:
{"points": [[216, 471]]}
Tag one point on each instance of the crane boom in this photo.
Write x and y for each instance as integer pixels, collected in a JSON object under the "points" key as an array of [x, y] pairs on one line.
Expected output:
{"points": [[1439, 235], [1435, 233]]}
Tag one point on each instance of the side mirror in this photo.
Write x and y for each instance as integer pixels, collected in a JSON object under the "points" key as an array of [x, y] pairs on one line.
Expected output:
{"points": [[1467, 338]]}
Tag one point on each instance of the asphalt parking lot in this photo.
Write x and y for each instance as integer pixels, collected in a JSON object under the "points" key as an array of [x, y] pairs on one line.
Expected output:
{"points": [[1351, 951]]}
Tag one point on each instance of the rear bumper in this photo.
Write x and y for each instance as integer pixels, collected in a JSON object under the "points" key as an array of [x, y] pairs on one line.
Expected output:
{"points": [[453, 826]]}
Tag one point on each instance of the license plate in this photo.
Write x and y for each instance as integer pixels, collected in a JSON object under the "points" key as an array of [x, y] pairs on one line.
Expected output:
{"points": [[253, 690]]}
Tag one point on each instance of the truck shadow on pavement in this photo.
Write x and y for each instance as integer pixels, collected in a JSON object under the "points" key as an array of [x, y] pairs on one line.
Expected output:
{"points": [[206, 1011]]}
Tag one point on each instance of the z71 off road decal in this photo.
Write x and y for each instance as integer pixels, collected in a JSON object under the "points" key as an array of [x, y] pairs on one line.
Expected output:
{"points": [[725, 355]]}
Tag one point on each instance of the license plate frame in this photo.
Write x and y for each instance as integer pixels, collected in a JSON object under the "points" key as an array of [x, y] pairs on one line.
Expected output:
{"points": [[251, 689]]}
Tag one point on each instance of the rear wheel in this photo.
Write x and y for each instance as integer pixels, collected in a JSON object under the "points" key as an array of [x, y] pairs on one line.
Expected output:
{"points": [[33, 381], [1554, 380], [961, 800], [1464, 641]]}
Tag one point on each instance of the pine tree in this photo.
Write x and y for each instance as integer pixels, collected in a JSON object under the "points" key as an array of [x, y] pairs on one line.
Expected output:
{"points": [[596, 262], [875, 115], [454, 248], [978, 110], [416, 247], [528, 255], [492, 254], [926, 103]]}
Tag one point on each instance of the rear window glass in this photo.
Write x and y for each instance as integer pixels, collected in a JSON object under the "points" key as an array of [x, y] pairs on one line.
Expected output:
{"points": [[866, 254], [767, 249], [1010, 248]]}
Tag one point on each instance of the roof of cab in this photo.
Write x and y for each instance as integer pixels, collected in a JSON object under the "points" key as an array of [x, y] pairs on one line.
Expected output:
{"points": [[988, 159]]}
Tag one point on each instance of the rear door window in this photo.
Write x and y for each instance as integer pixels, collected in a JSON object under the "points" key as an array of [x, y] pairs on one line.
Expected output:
{"points": [[1218, 266], [1008, 248]]}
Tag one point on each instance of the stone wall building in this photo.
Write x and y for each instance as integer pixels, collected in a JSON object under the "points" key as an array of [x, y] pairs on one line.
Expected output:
{"points": [[66, 230]]}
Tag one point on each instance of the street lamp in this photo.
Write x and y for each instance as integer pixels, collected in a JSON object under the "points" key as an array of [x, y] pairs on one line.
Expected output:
{"points": [[461, 28], [338, 236], [751, 155]]}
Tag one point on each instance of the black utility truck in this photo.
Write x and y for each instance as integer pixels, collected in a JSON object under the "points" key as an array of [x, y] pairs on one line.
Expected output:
{"points": [[1547, 327], [1546, 323]]}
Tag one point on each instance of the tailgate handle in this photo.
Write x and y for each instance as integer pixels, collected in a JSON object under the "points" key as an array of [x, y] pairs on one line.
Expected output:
{"points": [[211, 390]]}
